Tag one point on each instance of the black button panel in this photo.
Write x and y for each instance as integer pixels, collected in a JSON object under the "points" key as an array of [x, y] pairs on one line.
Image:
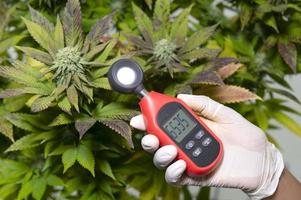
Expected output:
{"points": [[205, 148], [199, 134], [206, 141], [199, 145], [196, 152], [189, 144]]}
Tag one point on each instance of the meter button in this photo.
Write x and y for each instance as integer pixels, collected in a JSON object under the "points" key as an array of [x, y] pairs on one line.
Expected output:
{"points": [[197, 152], [189, 144], [199, 135], [206, 141]]}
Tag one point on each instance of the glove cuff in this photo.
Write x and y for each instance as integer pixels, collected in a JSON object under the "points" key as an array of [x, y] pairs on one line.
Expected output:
{"points": [[271, 174]]}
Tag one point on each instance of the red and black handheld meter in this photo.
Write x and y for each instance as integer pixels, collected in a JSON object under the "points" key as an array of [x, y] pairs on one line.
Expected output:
{"points": [[170, 119]]}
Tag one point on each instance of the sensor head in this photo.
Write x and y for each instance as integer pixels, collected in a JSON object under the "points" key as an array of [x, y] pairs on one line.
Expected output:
{"points": [[126, 76]]}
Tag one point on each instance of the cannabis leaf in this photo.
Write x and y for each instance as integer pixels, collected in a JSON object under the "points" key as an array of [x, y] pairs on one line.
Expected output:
{"points": [[227, 93], [228, 70], [6, 128], [167, 48], [82, 154], [120, 127], [208, 77], [288, 52], [70, 59], [83, 125]]}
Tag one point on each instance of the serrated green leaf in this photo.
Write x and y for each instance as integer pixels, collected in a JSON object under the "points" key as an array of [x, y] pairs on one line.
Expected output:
{"points": [[288, 122], [271, 21], [85, 158], [245, 15], [88, 91], [18, 120], [149, 3], [161, 13], [93, 37], [207, 77], [102, 83], [9, 42], [180, 23], [30, 68], [69, 158], [59, 150], [82, 126], [183, 89], [48, 148], [72, 23], [144, 24], [96, 50], [6, 16], [6, 129], [154, 187], [115, 111], [38, 187], [25, 190], [200, 54], [15, 104], [228, 70], [288, 52], [41, 103], [105, 168], [38, 18], [198, 38], [54, 180], [61, 119], [65, 105], [17, 75], [88, 191], [30, 141], [107, 189], [100, 72], [59, 34], [138, 42], [120, 127], [73, 97], [11, 93], [37, 54], [8, 189], [41, 36], [227, 93], [285, 93], [105, 54]]}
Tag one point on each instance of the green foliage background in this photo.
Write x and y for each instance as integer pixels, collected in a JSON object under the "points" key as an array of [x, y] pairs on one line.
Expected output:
{"points": [[65, 134]]}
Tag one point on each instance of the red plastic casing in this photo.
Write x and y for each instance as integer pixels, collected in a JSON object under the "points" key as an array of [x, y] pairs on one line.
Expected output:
{"points": [[150, 106]]}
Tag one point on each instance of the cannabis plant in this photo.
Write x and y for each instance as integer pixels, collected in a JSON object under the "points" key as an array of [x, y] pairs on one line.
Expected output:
{"points": [[165, 45], [68, 60], [65, 74], [65, 133]]}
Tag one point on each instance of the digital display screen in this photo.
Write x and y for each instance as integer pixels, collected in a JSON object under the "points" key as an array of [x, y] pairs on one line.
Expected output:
{"points": [[179, 125]]}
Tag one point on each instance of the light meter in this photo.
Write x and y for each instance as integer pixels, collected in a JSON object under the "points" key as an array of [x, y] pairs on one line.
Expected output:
{"points": [[170, 119]]}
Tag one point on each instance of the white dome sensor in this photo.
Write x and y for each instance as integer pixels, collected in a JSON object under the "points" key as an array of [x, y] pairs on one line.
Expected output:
{"points": [[126, 76]]}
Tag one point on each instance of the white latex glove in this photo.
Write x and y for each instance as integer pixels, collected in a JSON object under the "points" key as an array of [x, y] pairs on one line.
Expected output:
{"points": [[250, 162]]}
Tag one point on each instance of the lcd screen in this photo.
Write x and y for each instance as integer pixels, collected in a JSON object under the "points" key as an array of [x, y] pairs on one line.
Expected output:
{"points": [[179, 125]]}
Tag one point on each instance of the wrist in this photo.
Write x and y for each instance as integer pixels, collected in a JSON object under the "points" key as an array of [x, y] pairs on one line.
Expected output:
{"points": [[271, 174]]}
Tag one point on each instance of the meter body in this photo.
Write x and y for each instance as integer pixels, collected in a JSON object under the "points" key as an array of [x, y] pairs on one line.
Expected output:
{"points": [[174, 123], [171, 120]]}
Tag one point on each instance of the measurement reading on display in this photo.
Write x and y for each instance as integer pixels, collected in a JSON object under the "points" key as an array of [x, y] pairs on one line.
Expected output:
{"points": [[179, 125]]}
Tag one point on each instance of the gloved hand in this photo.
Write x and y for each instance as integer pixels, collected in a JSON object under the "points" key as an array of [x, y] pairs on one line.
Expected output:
{"points": [[250, 162]]}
